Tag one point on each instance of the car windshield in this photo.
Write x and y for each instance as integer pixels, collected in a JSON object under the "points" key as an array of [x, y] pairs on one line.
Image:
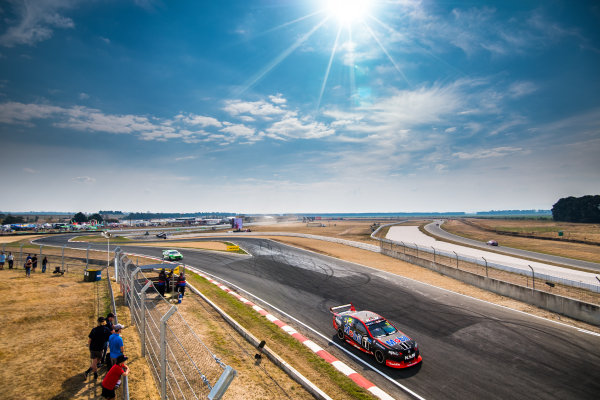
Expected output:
{"points": [[382, 328], [172, 252]]}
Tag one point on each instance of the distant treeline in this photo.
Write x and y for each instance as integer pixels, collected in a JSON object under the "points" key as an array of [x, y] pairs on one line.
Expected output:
{"points": [[515, 212], [577, 209], [146, 216]]}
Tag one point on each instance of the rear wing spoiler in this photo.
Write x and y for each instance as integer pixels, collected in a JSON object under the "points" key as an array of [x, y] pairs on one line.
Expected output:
{"points": [[344, 308]]}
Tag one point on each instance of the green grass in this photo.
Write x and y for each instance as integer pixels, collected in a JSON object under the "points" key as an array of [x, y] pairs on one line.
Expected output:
{"points": [[262, 329]]}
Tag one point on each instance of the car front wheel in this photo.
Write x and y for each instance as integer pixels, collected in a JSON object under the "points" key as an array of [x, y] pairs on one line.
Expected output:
{"points": [[340, 334], [379, 357]]}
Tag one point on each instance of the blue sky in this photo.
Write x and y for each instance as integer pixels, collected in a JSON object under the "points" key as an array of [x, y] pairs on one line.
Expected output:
{"points": [[298, 105]]}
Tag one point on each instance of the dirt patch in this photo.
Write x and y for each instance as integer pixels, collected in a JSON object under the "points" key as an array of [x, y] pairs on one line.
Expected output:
{"points": [[398, 267], [12, 239]]}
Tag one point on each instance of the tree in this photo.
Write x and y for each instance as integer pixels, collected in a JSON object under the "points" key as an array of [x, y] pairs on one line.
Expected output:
{"points": [[97, 217], [79, 217], [577, 209], [11, 219]]}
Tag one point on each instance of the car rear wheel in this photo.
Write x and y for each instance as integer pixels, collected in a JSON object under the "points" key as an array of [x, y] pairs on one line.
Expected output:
{"points": [[340, 334], [379, 357]]}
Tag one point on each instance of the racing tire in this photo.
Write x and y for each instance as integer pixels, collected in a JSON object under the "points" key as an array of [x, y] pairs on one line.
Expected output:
{"points": [[340, 335], [379, 357]]}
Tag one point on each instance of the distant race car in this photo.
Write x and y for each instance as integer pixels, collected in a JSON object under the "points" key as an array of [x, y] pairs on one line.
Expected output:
{"points": [[373, 334], [492, 243], [172, 255], [161, 235]]}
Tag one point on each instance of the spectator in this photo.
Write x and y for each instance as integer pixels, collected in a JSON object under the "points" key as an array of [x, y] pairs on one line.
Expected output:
{"points": [[115, 344], [109, 327], [28, 268], [2, 259], [34, 262], [181, 284], [11, 260], [28, 257], [112, 380], [162, 281], [44, 264], [96, 339]]}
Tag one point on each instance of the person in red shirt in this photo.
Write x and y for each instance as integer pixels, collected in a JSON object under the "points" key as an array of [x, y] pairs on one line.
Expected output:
{"points": [[112, 380]]}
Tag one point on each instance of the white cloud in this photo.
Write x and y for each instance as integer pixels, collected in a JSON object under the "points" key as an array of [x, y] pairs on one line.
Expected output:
{"points": [[186, 158], [488, 153], [259, 108], [35, 21], [84, 96], [277, 99], [294, 128], [239, 130], [30, 170], [450, 130], [200, 120]]}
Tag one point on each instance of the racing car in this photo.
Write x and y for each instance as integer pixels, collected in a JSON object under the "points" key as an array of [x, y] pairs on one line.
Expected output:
{"points": [[373, 334], [172, 255]]}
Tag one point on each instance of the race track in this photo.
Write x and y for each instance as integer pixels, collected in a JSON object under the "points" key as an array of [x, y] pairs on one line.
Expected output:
{"points": [[471, 349]]}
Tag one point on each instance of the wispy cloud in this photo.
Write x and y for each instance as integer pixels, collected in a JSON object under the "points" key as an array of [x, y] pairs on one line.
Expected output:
{"points": [[488, 153], [84, 180], [35, 21]]}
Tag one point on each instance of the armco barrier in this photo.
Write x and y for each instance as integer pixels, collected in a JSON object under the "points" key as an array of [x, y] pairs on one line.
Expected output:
{"points": [[562, 305]]}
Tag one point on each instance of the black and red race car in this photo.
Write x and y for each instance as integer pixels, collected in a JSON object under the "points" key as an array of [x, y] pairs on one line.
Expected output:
{"points": [[373, 334]]}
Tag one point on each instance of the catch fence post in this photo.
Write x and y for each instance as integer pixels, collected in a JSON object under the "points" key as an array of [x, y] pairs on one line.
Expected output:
{"points": [[433, 253], [4, 247], [131, 292], [21, 254], [143, 335], [456, 259], [486, 267], [403, 247], [417, 247], [163, 352], [63, 257], [532, 276], [117, 251]]}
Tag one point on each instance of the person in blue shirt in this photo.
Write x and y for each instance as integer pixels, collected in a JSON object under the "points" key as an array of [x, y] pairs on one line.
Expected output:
{"points": [[115, 344]]}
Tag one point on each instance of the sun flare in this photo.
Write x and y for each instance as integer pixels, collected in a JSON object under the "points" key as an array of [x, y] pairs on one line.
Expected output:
{"points": [[348, 11]]}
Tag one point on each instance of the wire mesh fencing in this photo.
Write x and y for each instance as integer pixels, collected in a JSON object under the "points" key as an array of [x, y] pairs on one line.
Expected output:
{"points": [[531, 279], [183, 366]]}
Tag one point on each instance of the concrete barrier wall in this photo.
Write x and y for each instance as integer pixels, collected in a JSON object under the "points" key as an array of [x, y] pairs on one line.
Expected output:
{"points": [[572, 308]]}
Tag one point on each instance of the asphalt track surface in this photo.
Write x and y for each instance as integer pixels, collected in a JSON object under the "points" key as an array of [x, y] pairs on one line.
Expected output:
{"points": [[471, 349], [436, 230]]}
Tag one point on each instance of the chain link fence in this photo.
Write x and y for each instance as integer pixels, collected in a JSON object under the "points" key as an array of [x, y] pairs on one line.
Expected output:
{"points": [[183, 366], [531, 279]]}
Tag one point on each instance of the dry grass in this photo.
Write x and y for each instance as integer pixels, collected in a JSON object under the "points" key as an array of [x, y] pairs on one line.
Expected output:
{"points": [[12, 239], [43, 337], [577, 251]]}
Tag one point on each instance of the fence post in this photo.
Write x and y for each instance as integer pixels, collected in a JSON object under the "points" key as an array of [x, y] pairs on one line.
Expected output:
{"points": [[532, 276], [117, 251], [63, 257], [456, 259], [143, 335], [4, 247], [21, 254], [403, 247], [131, 291], [486, 268], [87, 256], [417, 247], [163, 352], [433, 254]]}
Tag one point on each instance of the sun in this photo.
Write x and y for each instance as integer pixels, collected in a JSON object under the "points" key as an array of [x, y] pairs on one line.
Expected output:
{"points": [[348, 11]]}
